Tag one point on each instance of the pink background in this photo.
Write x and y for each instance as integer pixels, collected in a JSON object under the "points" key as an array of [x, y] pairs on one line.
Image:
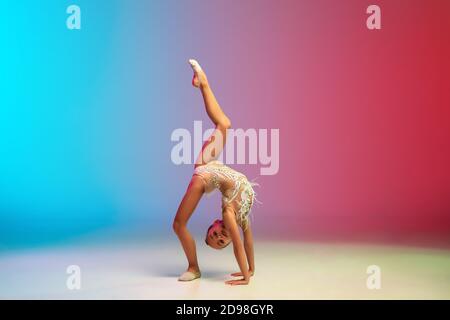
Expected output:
{"points": [[364, 116]]}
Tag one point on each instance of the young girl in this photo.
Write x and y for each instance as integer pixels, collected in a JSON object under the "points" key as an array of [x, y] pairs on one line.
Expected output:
{"points": [[237, 195]]}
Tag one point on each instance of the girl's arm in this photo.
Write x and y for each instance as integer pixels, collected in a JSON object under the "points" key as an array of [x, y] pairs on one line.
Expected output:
{"points": [[248, 245], [229, 219]]}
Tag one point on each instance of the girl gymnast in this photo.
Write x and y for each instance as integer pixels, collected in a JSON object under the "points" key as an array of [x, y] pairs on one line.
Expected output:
{"points": [[237, 195]]}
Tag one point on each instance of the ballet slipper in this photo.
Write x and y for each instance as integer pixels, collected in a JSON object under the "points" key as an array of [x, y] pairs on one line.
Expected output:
{"points": [[189, 276], [195, 65], [199, 78]]}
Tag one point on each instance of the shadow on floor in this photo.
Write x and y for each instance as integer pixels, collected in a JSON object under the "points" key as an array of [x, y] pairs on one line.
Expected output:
{"points": [[175, 271]]}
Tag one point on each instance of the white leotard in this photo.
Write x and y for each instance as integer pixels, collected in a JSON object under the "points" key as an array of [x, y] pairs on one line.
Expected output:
{"points": [[236, 190]]}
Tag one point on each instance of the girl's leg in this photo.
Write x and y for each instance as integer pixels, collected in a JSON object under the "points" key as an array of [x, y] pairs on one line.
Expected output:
{"points": [[185, 210], [215, 113]]}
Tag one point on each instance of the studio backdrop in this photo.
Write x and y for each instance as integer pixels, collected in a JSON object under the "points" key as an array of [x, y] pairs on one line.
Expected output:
{"points": [[345, 127]]}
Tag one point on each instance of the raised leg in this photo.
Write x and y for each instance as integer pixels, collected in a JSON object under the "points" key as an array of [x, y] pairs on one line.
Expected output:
{"points": [[216, 142]]}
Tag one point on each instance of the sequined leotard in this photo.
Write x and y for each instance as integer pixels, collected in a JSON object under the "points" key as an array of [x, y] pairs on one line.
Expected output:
{"points": [[236, 190]]}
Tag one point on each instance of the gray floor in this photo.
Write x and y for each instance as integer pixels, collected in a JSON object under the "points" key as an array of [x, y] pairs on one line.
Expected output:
{"points": [[146, 270]]}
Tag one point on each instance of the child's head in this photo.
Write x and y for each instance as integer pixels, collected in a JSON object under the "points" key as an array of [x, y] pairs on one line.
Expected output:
{"points": [[217, 236]]}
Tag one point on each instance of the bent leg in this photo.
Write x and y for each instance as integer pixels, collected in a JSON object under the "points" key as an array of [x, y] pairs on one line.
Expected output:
{"points": [[187, 206]]}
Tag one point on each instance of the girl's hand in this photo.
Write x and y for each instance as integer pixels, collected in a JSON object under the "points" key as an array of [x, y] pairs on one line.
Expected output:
{"points": [[239, 274], [242, 281]]}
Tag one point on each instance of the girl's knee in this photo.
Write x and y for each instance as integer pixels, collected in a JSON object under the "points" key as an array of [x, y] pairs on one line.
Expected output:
{"points": [[177, 226]]}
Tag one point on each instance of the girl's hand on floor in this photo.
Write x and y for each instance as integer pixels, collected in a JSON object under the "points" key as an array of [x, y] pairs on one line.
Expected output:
{"points": [[239, 274], [237, 282]]}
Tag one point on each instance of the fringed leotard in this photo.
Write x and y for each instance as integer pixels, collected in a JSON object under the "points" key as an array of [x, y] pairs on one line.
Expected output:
{"points": [[236, 190]]}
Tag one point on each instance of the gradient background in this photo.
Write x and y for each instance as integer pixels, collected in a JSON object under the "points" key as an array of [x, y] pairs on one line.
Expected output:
{"points": [[364, 116]]}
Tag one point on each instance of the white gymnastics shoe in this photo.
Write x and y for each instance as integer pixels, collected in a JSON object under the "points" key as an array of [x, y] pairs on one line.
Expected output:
{"points": [[199, 79], [189, 276], [195, 65]]}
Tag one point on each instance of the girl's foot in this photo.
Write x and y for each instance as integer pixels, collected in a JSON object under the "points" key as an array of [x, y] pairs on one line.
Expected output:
{"points": [[189, 275], [199, 79]]}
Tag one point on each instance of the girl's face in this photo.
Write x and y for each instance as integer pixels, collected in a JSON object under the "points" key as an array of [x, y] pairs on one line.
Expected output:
{"points": [[218, 236]]}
